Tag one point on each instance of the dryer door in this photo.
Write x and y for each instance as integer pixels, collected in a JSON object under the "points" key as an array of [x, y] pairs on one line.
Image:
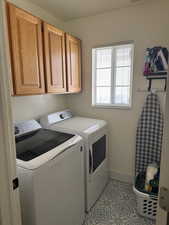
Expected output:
{"points": [[99, 152], [97, 166]]}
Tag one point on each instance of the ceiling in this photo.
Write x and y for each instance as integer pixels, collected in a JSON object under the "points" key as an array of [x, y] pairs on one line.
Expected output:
{"points": [[72, 9]]}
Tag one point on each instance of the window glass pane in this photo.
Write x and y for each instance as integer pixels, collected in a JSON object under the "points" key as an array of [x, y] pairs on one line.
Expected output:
{"points": [[103, 58], [103, 77], [123, 75], [123, 56], [103, 95], [122, 95], [112, 78]]}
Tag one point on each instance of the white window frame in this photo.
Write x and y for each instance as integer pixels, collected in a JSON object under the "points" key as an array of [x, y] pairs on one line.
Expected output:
{"points": [[111, 105]]}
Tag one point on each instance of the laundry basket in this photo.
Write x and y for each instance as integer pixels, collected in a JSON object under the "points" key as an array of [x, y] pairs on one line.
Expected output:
{"points": [[146, 204]]}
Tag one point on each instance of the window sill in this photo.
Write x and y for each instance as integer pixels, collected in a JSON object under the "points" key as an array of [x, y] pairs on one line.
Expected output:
{"points": [[128, 107]]}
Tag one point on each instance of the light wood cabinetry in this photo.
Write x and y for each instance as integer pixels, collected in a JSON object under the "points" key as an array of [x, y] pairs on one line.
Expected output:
{"points": [[43, 58], [55, 67], [73, 55], [27, 56]]}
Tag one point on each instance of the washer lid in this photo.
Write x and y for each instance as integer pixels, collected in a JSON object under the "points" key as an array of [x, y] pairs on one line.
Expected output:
{"points": [[44, 158], [36, 143]]}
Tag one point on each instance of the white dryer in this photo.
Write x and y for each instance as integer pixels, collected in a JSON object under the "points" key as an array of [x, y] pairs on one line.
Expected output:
{"points": [[51, 175], [95, 135]]}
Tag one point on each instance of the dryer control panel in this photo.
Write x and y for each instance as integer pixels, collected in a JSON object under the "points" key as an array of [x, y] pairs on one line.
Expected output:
{"points": [[55, 117]]}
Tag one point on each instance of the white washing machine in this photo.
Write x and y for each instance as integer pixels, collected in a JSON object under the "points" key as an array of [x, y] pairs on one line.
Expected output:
{"points": [[95, 135], [51, 175]]}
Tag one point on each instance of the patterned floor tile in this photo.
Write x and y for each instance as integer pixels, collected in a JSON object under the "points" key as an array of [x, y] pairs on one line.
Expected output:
{"points": [[116, 206]]}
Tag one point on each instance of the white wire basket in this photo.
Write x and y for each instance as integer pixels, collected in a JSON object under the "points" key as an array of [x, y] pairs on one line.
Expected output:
{"points": [[146, 204]]}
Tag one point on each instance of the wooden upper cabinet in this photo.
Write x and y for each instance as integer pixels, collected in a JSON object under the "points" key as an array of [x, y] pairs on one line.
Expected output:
{"points": [[35, 46], [73, 54], [55, 67], [27, 53]]}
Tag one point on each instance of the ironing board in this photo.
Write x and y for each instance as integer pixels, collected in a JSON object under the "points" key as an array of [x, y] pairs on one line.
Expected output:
{"points": [[149, 134]]}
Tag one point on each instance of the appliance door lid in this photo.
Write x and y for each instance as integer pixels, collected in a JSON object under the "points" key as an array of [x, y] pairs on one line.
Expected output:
{"points": [[36, 143], [50, 155], [80, 125]]}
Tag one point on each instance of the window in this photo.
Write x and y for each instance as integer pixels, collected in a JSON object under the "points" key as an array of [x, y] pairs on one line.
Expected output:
{"points": [[112, 75]]}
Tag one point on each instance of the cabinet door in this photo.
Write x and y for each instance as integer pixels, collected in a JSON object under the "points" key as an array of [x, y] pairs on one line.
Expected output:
{"points": [[73, 51], [27, 56], [54, 41]]}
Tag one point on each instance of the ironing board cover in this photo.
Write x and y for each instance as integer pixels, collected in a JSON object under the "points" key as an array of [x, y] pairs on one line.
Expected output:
{"points": [[149, 134]]}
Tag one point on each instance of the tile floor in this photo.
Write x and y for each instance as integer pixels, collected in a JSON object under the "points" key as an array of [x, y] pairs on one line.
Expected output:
{"points": [[117, 206]]}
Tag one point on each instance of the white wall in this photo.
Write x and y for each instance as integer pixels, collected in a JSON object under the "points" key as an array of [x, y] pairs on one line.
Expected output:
{"points": [[147, 25], [29, 107]]}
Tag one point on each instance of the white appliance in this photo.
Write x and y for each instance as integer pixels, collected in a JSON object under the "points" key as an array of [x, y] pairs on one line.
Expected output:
{"points": [[94, 133], [50, 167]]}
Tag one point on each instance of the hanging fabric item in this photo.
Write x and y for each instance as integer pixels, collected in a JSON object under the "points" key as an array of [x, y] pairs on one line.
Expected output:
{"points": [[156, 61], [149, 134]]}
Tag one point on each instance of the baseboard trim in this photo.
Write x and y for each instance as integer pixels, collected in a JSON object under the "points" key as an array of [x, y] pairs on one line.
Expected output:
{"points": [[121, 177]]}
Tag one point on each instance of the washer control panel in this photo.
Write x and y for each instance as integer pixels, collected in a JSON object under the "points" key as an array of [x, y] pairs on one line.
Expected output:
{"points": [[26, 127]]}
